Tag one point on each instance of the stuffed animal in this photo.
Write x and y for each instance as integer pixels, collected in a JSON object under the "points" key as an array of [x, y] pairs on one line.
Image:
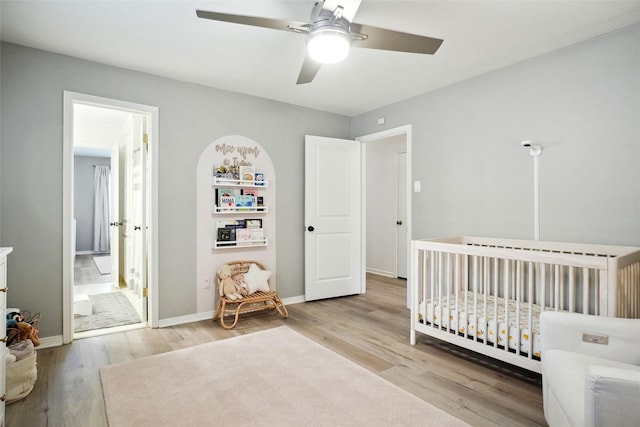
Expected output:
{"points": [[27, 332], [244, 288], [228, 287]]}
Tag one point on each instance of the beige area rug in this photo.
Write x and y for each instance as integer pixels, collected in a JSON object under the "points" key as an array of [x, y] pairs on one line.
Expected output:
{"points": [[276, 377]]}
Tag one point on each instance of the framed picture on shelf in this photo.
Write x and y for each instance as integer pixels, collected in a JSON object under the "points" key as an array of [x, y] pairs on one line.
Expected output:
{"points": [[253, 222]]}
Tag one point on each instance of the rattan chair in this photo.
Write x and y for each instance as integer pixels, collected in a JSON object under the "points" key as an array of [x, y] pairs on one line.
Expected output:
{"points": [[257, 301]]}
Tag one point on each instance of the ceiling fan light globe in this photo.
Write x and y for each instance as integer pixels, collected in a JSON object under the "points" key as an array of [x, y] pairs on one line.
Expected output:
{"points": [[328, 46]]}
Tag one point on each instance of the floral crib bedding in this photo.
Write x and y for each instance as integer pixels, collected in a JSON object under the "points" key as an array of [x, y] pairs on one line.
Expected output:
{"points": [[481, 321]]}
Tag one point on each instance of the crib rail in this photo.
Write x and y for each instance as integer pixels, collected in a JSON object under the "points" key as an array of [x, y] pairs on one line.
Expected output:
{"points": [[486, 294]]}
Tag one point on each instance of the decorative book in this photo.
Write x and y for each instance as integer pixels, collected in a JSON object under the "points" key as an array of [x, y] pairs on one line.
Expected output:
{"points": [[226, 192], [247, 173], [224, 235], [248, 235], [227, 202], [245, 201]]}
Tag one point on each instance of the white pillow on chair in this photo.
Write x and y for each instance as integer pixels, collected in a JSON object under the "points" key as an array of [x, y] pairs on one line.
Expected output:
{"points": [[257, 279]]}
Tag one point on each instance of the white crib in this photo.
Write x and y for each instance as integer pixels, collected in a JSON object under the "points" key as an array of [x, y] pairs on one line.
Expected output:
{"points": [[486, 294]]}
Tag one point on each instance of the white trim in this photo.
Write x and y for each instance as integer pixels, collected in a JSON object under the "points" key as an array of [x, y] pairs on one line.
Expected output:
{"points": [[208, 315], [363, 216], [90, 253], [293, 300], [48, 342], [382, 272], [407, 131], [69, 99], [189, 318]]}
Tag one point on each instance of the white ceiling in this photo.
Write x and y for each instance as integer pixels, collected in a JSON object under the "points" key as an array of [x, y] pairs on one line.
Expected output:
{"points": [[97, 129], [166, 38]]}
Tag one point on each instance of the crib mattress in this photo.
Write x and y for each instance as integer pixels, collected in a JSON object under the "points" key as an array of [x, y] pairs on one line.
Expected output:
{"points": [[484, 321]]}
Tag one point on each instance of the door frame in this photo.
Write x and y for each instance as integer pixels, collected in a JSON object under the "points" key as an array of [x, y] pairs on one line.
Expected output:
{"points": [[69, 99], [407, 131]]}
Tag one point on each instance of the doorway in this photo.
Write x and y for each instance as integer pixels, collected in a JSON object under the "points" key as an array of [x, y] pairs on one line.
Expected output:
{"points": [[387, 176], [108, 272], [352, 203]]}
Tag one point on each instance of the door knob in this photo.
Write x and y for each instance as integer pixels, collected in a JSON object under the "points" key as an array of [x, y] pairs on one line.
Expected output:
{"points": [[398, 222], [136, 227], [310, 228]]}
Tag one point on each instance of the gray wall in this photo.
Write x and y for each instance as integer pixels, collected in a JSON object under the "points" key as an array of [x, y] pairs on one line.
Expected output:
{"points": [[83, 202], [191, 117], [582, 103]]}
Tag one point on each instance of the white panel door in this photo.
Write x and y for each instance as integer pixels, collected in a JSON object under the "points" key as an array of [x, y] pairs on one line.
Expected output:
{"points": [[114, 218], [139, 209], [333, 218]]}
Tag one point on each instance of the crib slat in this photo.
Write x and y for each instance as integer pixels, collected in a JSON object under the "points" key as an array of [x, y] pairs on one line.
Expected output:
{"points": [[572, 285], [531, 285], [485, 286], [509, 273], [585, 291], [440, 281], [496, 293], [558, 285], [543, 286], [432, 285], [475, 298]]}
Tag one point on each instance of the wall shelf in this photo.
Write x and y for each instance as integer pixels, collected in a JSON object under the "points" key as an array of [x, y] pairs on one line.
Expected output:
{"points": [[219, 210], [239, 245], [218, 182]]}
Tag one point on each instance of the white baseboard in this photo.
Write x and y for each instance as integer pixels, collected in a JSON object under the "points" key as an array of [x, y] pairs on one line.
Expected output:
{"points": [[381, 272], [208, 315], [56, 341], [46, 342], [293, 300], [180, 320]]}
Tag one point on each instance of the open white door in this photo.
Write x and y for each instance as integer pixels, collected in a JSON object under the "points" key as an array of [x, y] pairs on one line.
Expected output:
{"points": [[333, 218], [139, 210], [401, 216], [114, 219]]}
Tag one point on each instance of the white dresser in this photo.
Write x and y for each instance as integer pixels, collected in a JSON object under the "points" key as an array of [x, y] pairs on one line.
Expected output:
{"points": [[3, 328]]}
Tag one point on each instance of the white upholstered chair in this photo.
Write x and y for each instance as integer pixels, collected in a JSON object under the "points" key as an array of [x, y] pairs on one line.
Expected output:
{"points": [[590, 370]]}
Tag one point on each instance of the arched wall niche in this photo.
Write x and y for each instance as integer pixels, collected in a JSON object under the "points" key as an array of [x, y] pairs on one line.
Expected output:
{"points": [[231, 150]]}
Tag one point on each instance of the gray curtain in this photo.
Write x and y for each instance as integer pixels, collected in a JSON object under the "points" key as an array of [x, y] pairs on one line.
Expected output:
{"points": [[101, 205]]}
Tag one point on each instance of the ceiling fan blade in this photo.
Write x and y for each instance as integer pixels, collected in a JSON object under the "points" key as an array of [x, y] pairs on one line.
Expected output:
{"points": [[383, 39], [274, 24], [308, 71]]}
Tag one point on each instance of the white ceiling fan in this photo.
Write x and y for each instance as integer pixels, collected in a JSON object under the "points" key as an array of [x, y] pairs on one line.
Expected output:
{"points": [[330, 34]]}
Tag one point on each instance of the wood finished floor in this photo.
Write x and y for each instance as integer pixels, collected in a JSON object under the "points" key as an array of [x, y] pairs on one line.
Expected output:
{"points": [[371, 330]]}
